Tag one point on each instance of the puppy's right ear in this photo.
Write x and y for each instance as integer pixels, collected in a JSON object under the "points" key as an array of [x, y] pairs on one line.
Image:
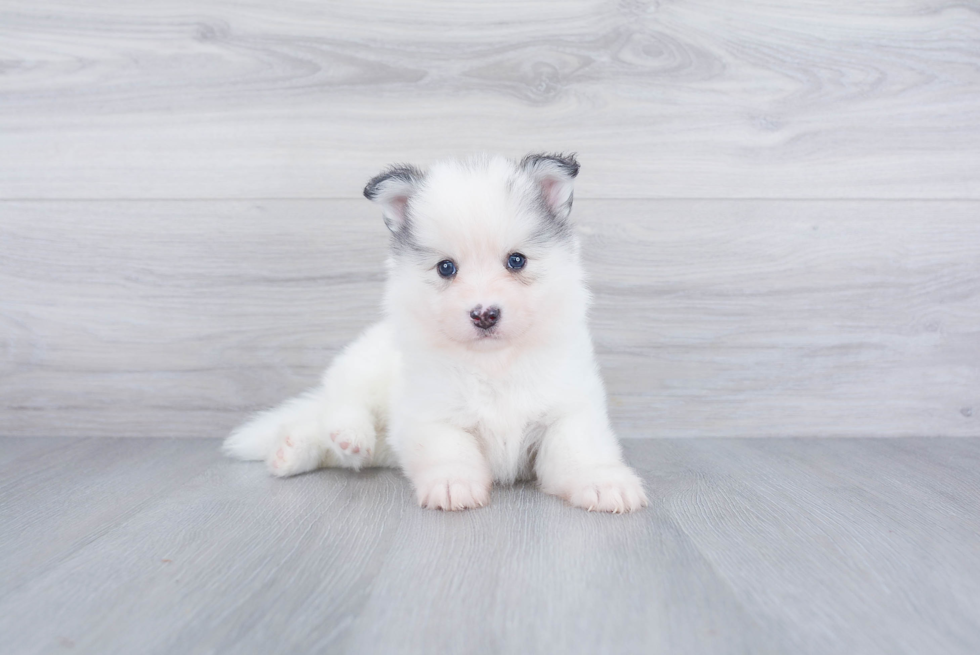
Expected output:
{"points": [[392, 189]]}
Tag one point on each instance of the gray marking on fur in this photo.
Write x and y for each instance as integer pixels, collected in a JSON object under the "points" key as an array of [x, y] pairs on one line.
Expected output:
{"points": [[403, 238], [566, 162], [402, 172], [553, 228]]}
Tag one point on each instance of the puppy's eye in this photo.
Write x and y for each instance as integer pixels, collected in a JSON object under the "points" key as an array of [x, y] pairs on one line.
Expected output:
{"points": [[446, 268], [516, 261]]}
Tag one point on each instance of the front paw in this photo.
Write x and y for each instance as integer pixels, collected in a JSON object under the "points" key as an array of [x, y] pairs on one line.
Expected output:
{"points": [[452, 490], [614, 489]]}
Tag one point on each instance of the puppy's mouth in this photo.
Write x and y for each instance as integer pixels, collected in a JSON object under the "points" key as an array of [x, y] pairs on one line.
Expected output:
{"points": [[487, 333]]}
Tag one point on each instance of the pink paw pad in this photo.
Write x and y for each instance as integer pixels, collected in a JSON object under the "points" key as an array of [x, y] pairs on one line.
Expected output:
{"points": [[344, 444], [289, 441]]}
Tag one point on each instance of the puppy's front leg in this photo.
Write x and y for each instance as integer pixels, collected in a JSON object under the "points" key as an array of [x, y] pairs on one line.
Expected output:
{"points": [[580, 460], [446, 467]]}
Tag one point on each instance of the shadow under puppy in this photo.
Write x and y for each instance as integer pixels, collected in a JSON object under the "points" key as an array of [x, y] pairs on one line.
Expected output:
{"points": [[483, 368]]}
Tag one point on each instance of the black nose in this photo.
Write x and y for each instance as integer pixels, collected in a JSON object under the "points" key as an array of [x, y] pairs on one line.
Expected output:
{"points": [[485, 318]]}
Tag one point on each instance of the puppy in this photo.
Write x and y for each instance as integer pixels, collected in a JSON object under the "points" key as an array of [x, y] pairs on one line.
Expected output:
{"points": [[483, 369]]}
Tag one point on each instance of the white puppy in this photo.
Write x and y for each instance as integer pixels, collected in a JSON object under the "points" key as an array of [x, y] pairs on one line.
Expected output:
{"points": [[483, 369]]}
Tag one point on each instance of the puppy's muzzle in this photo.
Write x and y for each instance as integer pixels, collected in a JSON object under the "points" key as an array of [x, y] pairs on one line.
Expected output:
{"points": [[485, 318]]}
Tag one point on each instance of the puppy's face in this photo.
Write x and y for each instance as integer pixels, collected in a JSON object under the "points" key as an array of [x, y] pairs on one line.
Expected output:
{"points": [[483, 255]]}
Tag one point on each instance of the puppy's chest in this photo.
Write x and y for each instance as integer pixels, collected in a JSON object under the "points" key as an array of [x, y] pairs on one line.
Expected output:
{"points": [[503, 418], [482, 393], [500, 411]]}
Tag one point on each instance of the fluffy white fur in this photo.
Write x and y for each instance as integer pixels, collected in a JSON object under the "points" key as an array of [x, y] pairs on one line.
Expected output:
{"points": [[458, 406]]}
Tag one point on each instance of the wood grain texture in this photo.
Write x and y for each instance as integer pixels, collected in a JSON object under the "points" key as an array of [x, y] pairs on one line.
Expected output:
{"points": [[711, 318], [121, 478], [212, 99], [860, 546]]}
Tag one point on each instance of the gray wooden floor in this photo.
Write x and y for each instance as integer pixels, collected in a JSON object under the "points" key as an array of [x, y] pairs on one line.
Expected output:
{"points": [[749, 546]]}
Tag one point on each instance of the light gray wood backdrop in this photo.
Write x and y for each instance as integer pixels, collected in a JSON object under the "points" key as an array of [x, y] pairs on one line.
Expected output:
{"points": [[780, 202]]}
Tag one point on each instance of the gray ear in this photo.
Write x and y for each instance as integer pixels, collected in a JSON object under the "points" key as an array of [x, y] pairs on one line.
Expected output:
{"points": [[554, 175], [392, 189]]}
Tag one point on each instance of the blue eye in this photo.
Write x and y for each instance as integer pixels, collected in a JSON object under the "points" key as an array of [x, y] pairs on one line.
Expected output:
{"points": [[516, 261], [446, 268]]}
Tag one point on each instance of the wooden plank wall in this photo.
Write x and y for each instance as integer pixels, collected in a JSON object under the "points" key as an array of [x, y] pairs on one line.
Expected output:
{"points": [[780, 202]]}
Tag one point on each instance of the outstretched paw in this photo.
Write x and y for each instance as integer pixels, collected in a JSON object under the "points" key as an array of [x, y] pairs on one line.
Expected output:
{"points": [[294, 455], [614, 489]]}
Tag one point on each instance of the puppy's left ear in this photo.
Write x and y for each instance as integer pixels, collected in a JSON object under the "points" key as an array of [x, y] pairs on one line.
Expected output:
{"points": [[392, 189], [554, 175]]}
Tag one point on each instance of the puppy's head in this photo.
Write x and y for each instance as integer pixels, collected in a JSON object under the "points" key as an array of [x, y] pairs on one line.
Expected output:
{"points": [[483, 254]]}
